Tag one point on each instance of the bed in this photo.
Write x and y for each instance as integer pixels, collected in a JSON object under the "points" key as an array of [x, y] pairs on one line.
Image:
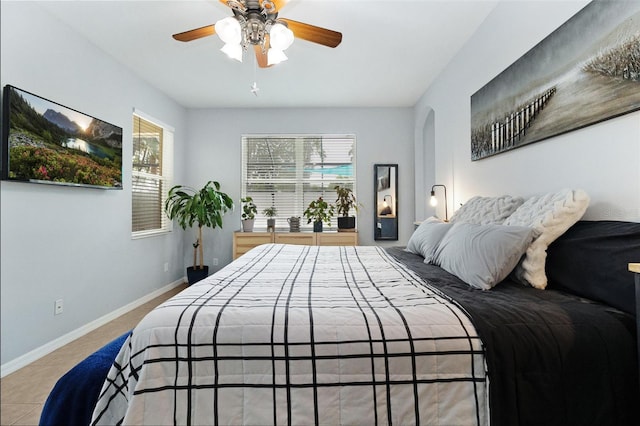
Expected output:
{"points": [[301, 335], [365, 335]]}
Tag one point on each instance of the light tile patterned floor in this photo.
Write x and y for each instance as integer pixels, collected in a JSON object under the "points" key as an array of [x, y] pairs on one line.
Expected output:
{"points": [[23, 393]]}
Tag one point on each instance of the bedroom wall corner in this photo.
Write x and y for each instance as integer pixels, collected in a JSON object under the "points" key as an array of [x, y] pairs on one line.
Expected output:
{"points": [[383, 135], [424, 162]]}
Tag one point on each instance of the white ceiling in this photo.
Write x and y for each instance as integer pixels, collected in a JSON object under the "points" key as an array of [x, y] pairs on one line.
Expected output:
{"points": [[391, 50]]}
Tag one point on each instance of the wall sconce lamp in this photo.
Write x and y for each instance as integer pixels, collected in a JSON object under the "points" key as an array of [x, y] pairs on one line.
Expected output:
{"points": [[434, 200]]}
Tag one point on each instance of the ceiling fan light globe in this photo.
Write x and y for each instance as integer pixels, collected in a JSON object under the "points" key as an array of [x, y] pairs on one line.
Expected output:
{"points": [[234, 51], [275, 56], [280, 37], [229, 30]]}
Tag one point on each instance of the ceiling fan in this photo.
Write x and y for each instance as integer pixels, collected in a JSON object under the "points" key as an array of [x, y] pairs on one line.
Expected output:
{"points": [[256, 22]]}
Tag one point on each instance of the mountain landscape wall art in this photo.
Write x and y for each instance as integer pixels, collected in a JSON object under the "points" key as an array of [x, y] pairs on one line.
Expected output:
{"points": [[45, 142]]}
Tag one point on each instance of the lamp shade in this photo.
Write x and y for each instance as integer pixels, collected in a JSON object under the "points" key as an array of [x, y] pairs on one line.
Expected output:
{"points": [[234, 51], [280, 37], [275, 56], [229, 31], [433, 201]]}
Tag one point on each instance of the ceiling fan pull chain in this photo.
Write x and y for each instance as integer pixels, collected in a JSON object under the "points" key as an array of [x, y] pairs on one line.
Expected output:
{"points": [[254, 87]]}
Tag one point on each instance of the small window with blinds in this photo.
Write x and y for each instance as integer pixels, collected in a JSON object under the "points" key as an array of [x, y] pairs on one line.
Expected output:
{"points": [[288, 172], [151, 177]]}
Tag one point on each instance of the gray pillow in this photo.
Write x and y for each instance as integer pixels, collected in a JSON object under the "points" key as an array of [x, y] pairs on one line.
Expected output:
{"points": [[424, 240], [482, 255]]}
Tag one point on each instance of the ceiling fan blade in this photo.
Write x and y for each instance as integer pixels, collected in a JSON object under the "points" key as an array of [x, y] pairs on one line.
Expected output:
{"points": [[261, 56], [313, 34], [196, 33]]}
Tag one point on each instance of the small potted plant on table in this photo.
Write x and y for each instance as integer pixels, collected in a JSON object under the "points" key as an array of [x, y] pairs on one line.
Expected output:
{"points": [[344, 203], [270, 213], [319, 212], [204, 207], [249, 211]]}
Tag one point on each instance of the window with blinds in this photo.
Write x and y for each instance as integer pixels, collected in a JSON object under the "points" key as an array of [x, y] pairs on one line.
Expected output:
{"points": [[289, 172], [151, 177]]}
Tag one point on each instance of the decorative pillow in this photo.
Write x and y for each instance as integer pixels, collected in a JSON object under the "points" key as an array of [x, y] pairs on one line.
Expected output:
{"points": [[484, 210], [482, 255], [591, 260], [424, 240], [550, 215]]}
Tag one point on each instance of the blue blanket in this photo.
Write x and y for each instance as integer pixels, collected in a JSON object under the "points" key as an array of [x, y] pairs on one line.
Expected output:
{"points": [[74, 396]]}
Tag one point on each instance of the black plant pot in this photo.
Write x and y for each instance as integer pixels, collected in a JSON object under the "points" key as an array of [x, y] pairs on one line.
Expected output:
{"points": [[317, 226], [346, 223], [195, 275]]}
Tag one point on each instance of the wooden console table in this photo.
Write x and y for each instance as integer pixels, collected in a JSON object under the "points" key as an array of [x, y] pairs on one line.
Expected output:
{"points": [[245, 241]]}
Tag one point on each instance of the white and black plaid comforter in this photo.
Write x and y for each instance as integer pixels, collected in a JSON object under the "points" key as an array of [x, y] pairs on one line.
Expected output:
{"points": [[301, 335]]}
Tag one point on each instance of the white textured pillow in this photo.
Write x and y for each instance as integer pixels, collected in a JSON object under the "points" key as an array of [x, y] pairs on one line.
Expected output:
{"points": [[550, 215], [424, 240], [482, 255], [484, 210]]}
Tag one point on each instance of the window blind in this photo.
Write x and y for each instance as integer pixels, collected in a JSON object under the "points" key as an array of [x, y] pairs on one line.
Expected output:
{"points": [[151, 177], [289, 172]]}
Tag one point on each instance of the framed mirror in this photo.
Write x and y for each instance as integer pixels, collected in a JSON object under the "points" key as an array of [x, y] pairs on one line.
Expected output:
{"points": [[385, 180]]}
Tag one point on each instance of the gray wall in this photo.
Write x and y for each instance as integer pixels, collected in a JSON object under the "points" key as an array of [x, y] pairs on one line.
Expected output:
{"points": [[74, 243], [603, 159], [383, 135]]}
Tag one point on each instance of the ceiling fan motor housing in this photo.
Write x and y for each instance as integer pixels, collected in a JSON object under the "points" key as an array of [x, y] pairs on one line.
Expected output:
{"points": [[255, 27]]}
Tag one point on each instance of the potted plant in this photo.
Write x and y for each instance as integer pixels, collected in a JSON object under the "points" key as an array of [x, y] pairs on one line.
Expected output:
{"points": [[270, 213], [249, 211], [344, 203], [204, 207], [319, 211]]}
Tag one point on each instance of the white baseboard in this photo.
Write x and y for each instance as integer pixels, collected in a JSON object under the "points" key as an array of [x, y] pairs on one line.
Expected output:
{"points": [[29, 357]]}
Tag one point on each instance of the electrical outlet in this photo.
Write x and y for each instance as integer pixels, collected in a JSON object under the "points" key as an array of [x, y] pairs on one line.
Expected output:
{"points": [[215, 261], [58, 307], [166, 266]]}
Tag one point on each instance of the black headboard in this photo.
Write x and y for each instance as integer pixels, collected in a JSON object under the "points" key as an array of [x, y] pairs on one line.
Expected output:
{"points": [[591, 260]]}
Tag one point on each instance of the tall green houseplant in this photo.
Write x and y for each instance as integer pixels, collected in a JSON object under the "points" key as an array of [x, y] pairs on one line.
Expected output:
{"points": [[203, 207]]}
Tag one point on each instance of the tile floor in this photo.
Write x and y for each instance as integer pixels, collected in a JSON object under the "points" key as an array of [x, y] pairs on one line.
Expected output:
{"points": [[23, 393]]}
